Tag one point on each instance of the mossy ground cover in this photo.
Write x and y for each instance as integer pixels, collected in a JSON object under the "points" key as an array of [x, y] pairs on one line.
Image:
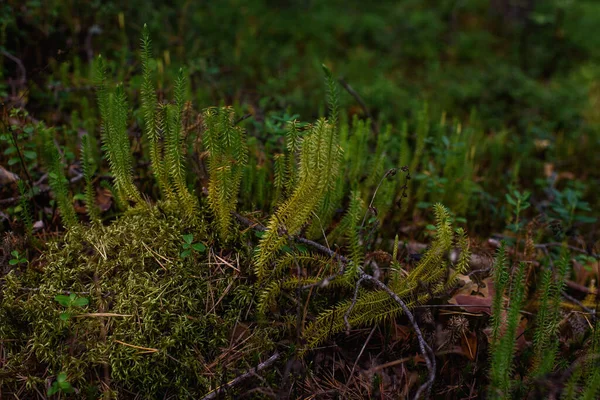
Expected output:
{"points": [[156, 324], [127, 272]]}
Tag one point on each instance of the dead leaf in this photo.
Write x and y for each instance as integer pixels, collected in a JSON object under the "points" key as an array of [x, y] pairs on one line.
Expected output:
{"points": [[7, 176], [473, 296], [103, 199]]}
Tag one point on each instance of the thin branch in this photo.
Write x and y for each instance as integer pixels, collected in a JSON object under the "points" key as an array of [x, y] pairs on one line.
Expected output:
{"points": [[354, 300], [574, 248], [11, 200], [581, 288], [23, 78], [361, 102], [242, 118], [428, 354], [389, 172], [426, 350], [236, 381], [580, 304]]}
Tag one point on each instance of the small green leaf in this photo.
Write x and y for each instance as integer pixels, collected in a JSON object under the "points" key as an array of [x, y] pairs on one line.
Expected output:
{"points": [[510, 200], [63, 300], [72, 296], [189, 238], [64, 386], [53, 389], [15, 253], [62, 377], [199, 247], [13, 261], [30, 155], [185, 253], [65, 316], [80, 302]]}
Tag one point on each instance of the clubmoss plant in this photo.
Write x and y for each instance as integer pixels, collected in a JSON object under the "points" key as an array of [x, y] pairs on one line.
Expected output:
{"points": [[376, 306]]}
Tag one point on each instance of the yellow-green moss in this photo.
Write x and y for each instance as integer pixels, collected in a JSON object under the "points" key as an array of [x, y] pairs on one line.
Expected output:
{"points": [[185, 310]]}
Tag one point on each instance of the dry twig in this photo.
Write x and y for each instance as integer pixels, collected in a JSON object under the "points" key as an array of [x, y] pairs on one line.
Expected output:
{"points": [[244, 376]]}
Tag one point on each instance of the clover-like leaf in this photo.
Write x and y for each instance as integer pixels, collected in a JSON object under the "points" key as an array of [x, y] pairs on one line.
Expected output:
{"points": [[185, 253], [65, 316], [63, 300], [81, 301], [199, 247], [61, 377], [52, 390], [189, 238]]}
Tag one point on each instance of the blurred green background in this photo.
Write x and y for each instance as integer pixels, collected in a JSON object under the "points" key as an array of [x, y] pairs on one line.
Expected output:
{"points": [[523, 74]]}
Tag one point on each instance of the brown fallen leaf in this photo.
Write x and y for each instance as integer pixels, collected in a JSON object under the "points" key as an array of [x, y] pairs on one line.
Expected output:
{"points": [[103, 199], [473, 296], [7, 177]]}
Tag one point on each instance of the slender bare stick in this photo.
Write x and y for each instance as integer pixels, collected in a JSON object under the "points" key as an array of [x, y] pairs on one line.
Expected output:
{"points": [[265, 364], [426, 350], [361, 102]]}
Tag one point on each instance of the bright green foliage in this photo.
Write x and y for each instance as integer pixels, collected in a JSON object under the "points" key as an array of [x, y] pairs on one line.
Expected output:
{"points": [[377, 306], [545, 341], [332, 97], [352, 230], [503, 349], [174, 156], [70, 302], [25, 212], [280, 177], [501, 280], [153, 119], [228, 154], [163, 129], [293, 143], [58, 180], [519, 202], [190, 246], [317, 174], [115, 139], [60, 385], [17, 258], [89, 169]]}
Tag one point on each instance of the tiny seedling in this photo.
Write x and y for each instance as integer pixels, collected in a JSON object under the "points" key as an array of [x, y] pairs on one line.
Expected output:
{"points": [[70, 302], [17, 258], [189, 245], [520, 202], [60, 385]]}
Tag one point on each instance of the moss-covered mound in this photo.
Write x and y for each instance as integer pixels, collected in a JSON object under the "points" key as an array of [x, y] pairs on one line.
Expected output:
{"points": [[157, 325]]}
